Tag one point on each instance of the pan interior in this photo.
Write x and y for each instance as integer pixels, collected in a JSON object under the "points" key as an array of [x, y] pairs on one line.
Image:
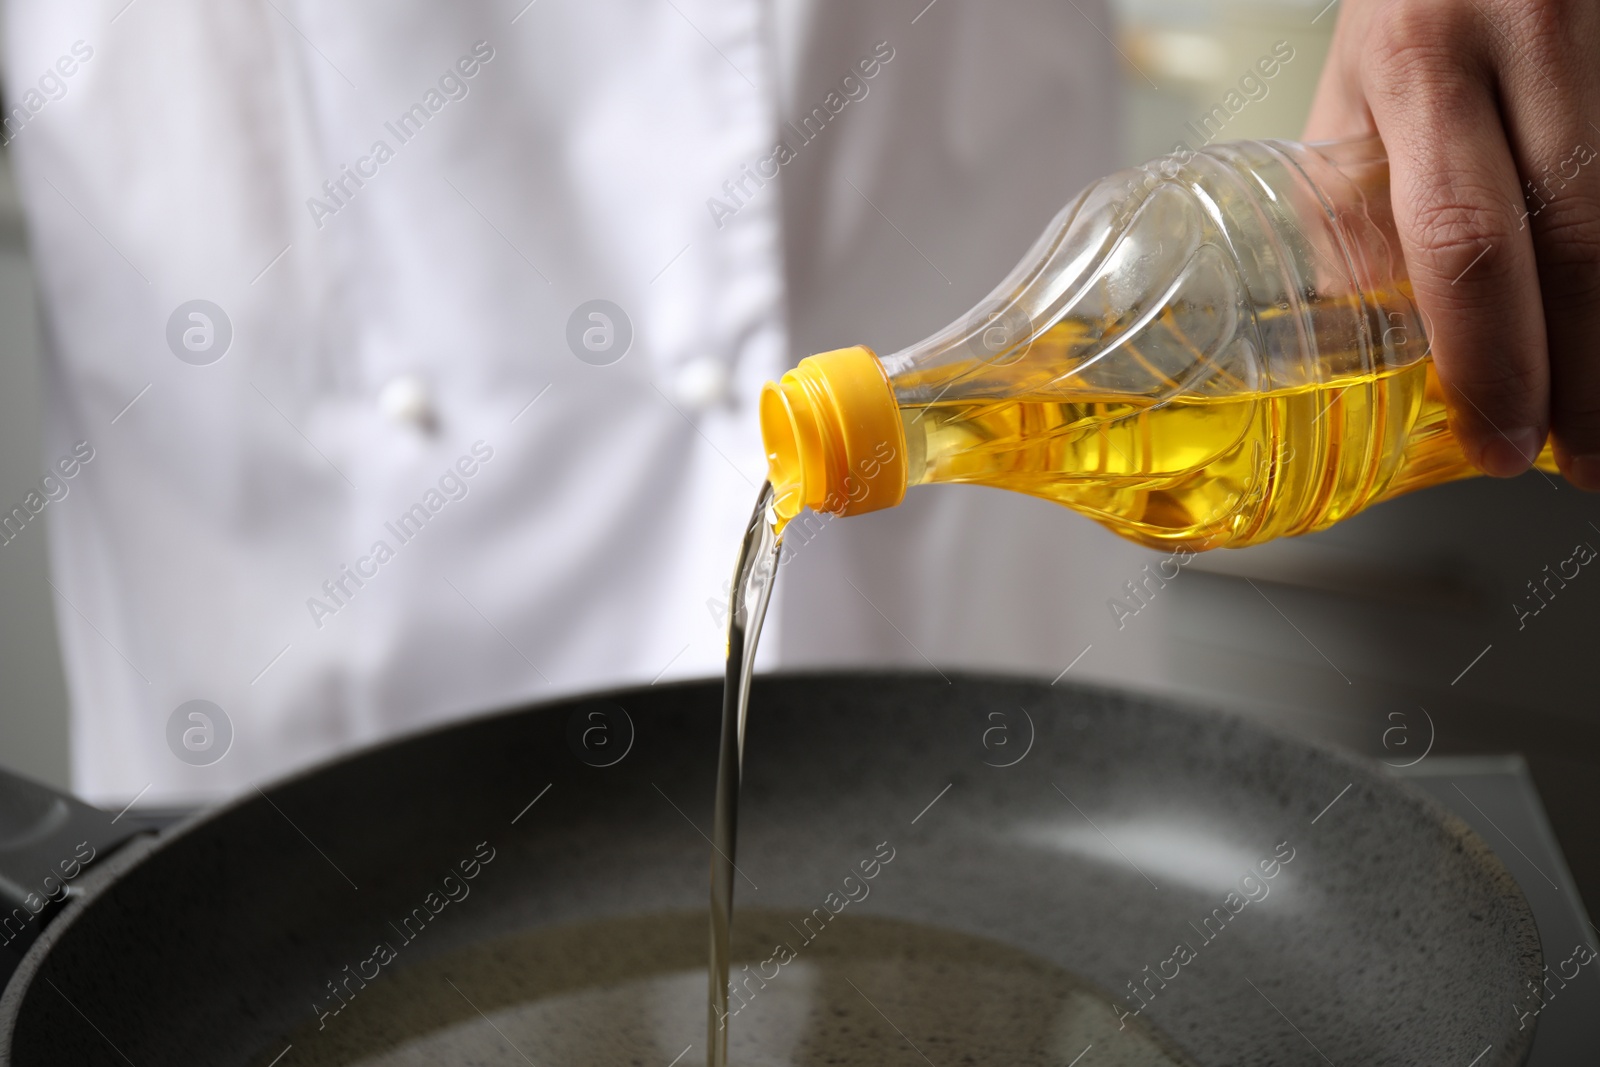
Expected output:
{"points": [[865, 990]]}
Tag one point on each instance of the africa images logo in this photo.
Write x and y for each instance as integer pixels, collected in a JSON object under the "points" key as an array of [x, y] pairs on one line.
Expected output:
{"points": [[599, 332], [199, 733], [199, 332]]}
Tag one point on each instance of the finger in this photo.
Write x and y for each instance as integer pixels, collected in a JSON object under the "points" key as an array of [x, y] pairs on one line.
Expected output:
{"points": [[1552, 82], [1339, 109], [1429, 83]]}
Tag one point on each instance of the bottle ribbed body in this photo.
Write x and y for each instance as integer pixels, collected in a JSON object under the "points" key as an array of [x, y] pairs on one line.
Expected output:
{"points": [[1211, 350]]}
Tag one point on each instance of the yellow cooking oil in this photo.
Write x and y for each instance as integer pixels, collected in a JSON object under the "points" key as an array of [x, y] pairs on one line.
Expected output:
{"points": [[1203, 471]]}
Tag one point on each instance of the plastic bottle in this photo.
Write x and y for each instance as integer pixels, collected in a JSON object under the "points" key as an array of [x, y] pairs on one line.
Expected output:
{"points": [[1213, 349]]}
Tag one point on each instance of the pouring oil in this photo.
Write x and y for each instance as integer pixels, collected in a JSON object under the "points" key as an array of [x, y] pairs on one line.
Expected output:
{"points": [[1209, 351], [753, 576]]}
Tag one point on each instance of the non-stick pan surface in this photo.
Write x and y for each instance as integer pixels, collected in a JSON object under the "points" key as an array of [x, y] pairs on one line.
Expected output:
{"points": [[1091, 829]]}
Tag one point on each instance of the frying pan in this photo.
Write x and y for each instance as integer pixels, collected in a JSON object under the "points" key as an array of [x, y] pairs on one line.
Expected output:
{"points": [[1084, 827]]}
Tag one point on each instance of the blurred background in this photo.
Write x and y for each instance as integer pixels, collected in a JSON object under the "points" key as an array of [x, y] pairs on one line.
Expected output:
{"points": [[1194, 49], [1401, 619], [1184, 57]]}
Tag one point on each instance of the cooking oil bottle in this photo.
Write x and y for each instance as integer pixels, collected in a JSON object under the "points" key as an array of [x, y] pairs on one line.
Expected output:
{"points": [[1214, 349]]}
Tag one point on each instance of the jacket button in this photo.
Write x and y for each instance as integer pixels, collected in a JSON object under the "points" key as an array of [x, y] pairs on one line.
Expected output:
{"points": [[406, 402]]}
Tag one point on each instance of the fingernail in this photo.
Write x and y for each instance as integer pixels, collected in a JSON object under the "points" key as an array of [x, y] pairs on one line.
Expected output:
{"points": [[1584, 472], [1507, 455]]}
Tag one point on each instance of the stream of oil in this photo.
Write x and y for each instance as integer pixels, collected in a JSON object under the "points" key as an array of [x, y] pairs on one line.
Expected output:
{"points": [[753, 576]]}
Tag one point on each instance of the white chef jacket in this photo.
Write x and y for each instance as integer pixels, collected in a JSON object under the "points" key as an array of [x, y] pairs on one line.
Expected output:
{"points": [[401, 212]]}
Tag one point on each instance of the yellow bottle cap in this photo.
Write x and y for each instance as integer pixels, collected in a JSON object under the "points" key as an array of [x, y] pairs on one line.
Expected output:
{"points": [[833, 436]]}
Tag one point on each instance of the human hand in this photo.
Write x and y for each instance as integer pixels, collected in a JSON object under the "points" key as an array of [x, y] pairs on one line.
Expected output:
{"points": [[1488, 109]]}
